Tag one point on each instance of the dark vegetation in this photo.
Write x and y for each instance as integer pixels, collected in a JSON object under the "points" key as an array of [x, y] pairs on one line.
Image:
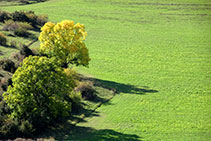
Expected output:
{"points": [[23, 16], [19, 2]]}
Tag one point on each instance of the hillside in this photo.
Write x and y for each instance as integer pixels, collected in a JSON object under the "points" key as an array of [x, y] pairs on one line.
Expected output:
{"points": [[156, 54]]}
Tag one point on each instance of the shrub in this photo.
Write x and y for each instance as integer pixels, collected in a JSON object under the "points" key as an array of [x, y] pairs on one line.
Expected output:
{"points": [[7, 65], [65, 41], [39, 91], [29, 17], [21, 32], [74, 97], [31, 1], [20, 16], [26, 51], [87, 90], [25, 25], [9, 128], [25, 1], [11, 25], [19, 28], [42, 19], [3, 39], [13, 44], [4, 16], [5, 80]]}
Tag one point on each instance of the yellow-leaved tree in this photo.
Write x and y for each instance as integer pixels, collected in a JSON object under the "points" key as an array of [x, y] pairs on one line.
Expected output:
{"points": [[65, 41]]}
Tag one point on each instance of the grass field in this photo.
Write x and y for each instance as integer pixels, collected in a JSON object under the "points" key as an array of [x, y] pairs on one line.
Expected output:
{"points": [[156, 54]]}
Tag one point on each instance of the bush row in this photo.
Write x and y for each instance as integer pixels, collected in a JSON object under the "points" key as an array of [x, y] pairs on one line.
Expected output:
{"points": [[24, 16]]}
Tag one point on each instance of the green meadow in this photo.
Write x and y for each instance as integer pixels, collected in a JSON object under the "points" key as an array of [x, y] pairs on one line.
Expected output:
{"points": [[157, 56]]}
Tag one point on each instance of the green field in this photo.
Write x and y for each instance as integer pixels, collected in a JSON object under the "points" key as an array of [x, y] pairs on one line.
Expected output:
{"points": [[156, 54]]}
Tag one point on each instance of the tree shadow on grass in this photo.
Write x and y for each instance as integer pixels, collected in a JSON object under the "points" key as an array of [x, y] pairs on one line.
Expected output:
{"points": [[119, 87], [77, 115], [71, 132], [9, 46]]}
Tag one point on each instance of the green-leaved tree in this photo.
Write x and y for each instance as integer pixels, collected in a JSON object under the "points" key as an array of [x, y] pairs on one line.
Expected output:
{"points": [[39, 90]]}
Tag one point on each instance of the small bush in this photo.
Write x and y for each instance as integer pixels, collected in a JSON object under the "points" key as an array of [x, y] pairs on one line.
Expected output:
{"points": [[87, 90], [21, 32], [9, 128], [42, 19], [5, 82], [7, 65], [25, 1], [31, 1], [31, 18], [20, 16], [10, 26], [26, 51], [3, 39], [25, 25], [13, 44], [75, 98], [4, 16]]}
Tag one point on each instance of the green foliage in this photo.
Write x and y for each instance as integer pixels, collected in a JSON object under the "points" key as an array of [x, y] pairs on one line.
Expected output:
{"points": [[4, 16], [21, 32], [7, 65], [65, 41], [75, 98], [30, 17], [25, 25], [86, 89], [11, 25], [13, 44], [24, 16], [9, 128], [38, 92], [3, 39]]}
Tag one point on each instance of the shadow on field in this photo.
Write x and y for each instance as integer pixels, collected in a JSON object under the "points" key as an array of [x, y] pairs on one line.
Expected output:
{"points": [[120, 87], [71, 132], [67, 130]]}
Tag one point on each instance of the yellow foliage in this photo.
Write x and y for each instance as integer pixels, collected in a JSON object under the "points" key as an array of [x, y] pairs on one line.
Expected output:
{"points": [[65, 41]]}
